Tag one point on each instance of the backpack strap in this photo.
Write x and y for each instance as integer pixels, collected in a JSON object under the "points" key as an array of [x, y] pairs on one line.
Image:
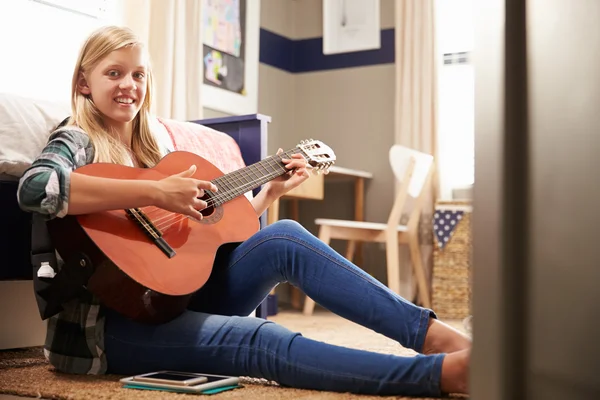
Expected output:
{"points": [[45, 267], [54, 283]]}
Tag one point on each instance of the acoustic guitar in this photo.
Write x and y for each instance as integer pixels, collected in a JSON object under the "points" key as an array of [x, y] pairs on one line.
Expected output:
{"points": [[146, 263]]}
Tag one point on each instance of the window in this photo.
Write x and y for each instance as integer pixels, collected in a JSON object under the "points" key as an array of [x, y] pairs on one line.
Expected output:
{"points": [[45, 37], [89, 8], [456, 89]]}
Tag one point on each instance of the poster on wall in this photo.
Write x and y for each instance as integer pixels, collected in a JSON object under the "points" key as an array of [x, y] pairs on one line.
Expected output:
{"points": [[223, 25], [230, 31]]}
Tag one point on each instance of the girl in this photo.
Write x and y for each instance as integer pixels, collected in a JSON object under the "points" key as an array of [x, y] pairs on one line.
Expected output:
{"points": [[111, 97]]}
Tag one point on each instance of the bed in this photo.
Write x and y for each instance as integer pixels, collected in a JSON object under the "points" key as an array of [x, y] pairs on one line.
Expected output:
{"points": [[19, 316]]}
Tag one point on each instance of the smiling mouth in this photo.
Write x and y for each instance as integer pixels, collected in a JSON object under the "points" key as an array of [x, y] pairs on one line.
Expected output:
{"points": [[124, 101]]}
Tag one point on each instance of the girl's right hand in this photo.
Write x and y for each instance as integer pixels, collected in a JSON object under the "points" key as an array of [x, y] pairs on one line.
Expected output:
{"points": [[180, 193]]}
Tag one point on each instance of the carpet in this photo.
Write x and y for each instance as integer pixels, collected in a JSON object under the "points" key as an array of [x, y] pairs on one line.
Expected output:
{"points": [[25, 372]]}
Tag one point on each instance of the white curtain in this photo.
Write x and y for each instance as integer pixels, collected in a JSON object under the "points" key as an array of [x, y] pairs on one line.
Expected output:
{"points": [[172, 31], [416, 107]]}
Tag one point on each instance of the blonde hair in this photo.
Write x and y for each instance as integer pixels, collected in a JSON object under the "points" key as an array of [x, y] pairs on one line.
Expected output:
{"points": [[87, 116]]}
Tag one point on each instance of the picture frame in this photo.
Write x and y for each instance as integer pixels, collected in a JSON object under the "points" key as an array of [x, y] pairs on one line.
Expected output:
{"points": [[227, 52], [351, 25]]}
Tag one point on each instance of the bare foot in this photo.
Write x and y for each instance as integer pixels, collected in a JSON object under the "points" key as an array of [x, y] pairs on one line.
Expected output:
{"points": [[442, 338], [455, 372]]}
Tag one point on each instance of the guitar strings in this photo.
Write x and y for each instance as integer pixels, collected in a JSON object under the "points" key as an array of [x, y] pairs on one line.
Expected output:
{"points": [[234, 179], [170, 218], [160, 222], [167, 220], [229, 194], [236, 189]]}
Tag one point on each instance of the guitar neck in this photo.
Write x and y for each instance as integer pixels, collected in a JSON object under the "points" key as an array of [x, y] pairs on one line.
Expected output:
{"points": [[238, 182]]}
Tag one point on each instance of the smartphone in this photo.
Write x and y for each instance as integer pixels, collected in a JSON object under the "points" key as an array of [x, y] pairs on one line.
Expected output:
{"points": [[171, 378], [209, 382]]}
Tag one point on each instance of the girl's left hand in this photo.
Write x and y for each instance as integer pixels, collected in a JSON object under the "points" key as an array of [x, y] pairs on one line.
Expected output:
{"points": [[297, 174]]}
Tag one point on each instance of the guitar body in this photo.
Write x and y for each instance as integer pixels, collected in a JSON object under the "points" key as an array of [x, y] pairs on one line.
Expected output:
{"points": [[131, 273]]}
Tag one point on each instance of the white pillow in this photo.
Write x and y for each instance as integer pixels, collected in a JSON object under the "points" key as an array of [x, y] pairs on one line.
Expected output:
{"points": [[25, 125]]}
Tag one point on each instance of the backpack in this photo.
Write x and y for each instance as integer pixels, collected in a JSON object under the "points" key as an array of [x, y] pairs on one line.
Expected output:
{"points": [[55, 281]]}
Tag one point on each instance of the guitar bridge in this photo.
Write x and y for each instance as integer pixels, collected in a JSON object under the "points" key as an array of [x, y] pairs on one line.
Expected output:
{"points": [[153, 233]]}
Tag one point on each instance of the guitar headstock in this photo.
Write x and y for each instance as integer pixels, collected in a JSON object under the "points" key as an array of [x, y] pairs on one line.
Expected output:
{"points": [[318, 155]]}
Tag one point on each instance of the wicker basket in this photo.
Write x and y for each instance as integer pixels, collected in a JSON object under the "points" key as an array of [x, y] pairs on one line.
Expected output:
{"points": [[451, 279]]}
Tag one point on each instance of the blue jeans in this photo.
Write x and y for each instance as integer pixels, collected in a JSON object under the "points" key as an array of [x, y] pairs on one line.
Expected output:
{"points": [[216, 336]]}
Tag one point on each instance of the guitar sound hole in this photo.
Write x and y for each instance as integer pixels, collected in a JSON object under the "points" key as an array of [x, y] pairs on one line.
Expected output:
{"points": [[207, 211], [211, 214], [210, 209]]}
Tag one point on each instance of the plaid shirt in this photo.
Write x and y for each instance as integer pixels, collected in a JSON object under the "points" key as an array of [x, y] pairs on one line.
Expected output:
{"points": [[75, 336]]}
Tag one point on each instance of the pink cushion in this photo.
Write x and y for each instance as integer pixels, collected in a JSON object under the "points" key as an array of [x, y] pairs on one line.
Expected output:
{"points": [[217, 147]]}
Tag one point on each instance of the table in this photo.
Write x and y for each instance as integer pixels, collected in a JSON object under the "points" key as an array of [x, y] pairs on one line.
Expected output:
{"points": [[313, 189]]}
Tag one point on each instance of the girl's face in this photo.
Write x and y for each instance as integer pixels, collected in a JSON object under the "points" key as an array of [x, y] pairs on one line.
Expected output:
{"points": [[117, 85]]}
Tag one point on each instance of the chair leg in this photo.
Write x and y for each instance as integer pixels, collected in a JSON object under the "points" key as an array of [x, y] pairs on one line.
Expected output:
{"points": [[419, 271], [415, 292], [392, 261], [325, 236], [350, 250]]}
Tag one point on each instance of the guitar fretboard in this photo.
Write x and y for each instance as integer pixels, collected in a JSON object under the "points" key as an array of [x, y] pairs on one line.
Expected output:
{"points": [[238, 182]]}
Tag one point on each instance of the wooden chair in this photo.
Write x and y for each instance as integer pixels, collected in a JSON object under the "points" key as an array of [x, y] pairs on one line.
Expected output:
{"points": [[413, 170]]}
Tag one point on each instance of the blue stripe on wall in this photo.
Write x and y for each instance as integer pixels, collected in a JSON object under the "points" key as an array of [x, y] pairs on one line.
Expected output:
{"points": [[306, 55]]}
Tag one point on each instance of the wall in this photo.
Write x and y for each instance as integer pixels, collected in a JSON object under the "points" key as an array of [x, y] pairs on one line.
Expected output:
{"points": [[277, 87], [345, 102], [348, 106]]}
